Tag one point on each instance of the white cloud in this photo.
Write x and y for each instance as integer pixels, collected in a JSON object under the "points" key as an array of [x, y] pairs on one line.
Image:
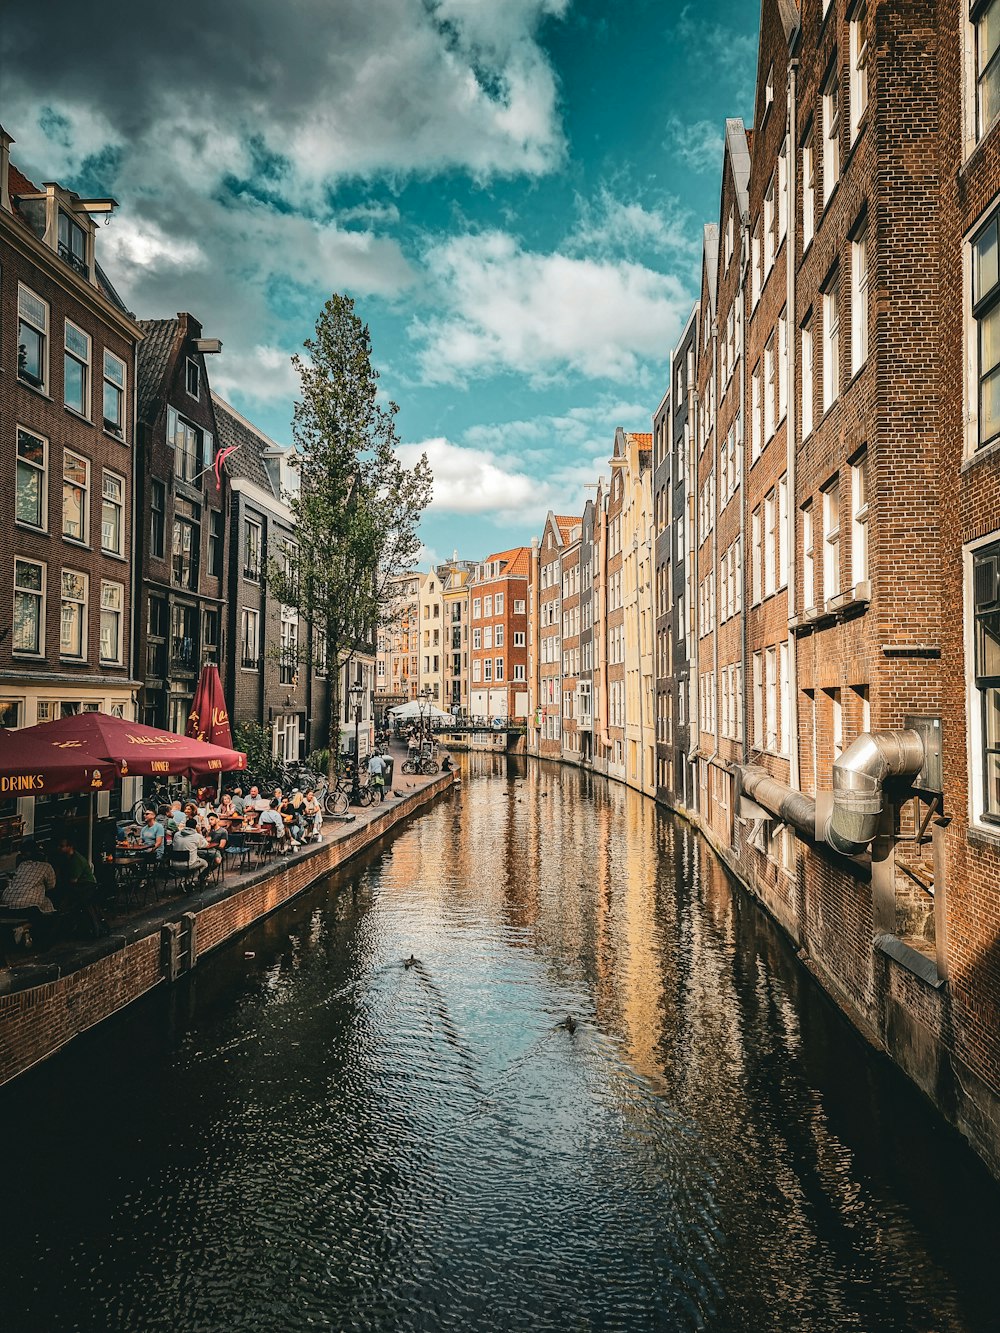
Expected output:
{"points": [[699, 144], [472, 481], [617, 226], [507, 308], [261, 374]]}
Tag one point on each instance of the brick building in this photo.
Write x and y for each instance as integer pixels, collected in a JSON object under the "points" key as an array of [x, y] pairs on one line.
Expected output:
{"points": [[67, 404], [277, 670], [633, 457], [498, 624], [585, 675], [547, 738], [182, 547], [456, 575], [570, 577], [612, 736], [397, 662]]}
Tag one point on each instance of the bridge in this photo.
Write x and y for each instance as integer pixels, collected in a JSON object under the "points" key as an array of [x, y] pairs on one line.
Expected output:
{"points": [[463, 724]]}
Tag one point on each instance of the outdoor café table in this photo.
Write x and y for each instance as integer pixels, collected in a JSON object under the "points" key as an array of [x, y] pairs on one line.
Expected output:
{"points": [[259, 841], [132, 867]]}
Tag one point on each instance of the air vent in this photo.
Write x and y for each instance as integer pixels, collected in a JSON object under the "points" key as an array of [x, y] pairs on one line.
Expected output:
{"points": [[987, 582]]}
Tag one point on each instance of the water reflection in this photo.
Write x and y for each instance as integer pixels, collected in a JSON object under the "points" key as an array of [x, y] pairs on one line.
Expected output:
{"points": [[320, 1136]]}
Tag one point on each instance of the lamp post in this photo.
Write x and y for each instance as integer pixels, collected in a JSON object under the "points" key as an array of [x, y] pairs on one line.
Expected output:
{"points": [[356, 694], [424, 705]]}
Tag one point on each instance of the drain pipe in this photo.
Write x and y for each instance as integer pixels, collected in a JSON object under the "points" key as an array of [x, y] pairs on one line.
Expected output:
{"points": [[791, 807], [744, 590], [791, 324], [859, 777]]}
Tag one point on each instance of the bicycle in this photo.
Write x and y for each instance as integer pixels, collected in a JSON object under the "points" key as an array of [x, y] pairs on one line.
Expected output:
{"points": [[423, 764], [160, 795]]}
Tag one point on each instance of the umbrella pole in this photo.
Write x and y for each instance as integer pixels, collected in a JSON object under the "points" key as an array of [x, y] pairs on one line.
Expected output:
{"points": [[90, 829]]}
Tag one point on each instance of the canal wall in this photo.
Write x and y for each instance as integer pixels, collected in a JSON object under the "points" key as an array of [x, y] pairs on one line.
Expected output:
{"points": [[44, 1008]]}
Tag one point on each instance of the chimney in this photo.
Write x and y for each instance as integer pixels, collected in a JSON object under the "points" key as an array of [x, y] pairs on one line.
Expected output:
{"points": [[5, 143]]}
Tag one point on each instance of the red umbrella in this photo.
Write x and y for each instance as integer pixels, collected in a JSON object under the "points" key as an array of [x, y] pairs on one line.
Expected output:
{"points": [[139, 751], [209, 718], [34, 762]]}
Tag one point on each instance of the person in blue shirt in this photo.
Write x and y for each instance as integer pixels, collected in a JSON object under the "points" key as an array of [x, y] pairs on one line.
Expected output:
{"points": [[153, 834]]}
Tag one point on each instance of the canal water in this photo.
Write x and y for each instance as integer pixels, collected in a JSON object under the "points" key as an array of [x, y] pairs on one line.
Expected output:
{"points": [[309, 1134]]}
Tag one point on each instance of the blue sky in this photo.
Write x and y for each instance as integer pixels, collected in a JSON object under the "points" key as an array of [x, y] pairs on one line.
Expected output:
{"points": [[513, 191]]}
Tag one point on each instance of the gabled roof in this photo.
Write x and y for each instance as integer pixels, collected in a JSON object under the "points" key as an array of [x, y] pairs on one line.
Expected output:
{"points": [[517, 561], [18, 183], [155, 352], [738, 155], [249, 443]]}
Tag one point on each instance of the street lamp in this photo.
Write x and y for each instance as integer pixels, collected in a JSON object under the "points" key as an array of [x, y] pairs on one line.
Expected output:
{"points": [[356, 694]]}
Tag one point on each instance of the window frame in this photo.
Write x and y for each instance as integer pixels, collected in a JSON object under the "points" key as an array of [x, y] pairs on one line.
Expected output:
{"points": [[120, 614], [83, 540], [860, 338], [157, 519], [981, 685], [830, 100], [831, 539], [860, 554], [831, 340], [982, 305], [84, 614], [40, 596], [43, 483], [85, 362], [106, 475], [25, 377], [121, 390], [978, 9]]}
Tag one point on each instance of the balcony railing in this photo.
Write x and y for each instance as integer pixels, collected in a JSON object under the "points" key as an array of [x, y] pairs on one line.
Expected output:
{"points": [[184, 653], [74, 261]]}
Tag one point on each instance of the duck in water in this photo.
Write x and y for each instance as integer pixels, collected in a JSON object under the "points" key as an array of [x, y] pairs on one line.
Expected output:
{"points": [[411, 962], [569, 1023]]}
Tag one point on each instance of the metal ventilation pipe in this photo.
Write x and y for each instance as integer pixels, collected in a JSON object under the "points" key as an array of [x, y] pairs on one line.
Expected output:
{"points": [[859, 777], [790, 806]]}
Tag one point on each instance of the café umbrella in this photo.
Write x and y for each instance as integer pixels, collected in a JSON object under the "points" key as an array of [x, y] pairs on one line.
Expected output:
{"points": [[208, 719], [33, 762], [139, 751]]}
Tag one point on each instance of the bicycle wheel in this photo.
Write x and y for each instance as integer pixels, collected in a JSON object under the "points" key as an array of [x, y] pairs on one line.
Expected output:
{"points": [[429, 767], [366, 794], [335, 802], [408, 766]]}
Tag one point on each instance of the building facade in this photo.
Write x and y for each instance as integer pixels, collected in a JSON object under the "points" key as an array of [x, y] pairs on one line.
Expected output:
{"points": [[498, 624]]}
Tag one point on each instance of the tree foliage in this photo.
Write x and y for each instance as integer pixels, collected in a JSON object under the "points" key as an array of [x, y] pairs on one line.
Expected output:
{"points": [[357, 509]]}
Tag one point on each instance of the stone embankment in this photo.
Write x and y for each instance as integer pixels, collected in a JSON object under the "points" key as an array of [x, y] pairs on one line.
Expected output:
{"points": [[48, 999]]}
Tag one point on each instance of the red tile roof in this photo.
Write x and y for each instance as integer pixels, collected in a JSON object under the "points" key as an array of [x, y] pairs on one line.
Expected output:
{"points": [[644, 439], [18, 183], [517, 560]]}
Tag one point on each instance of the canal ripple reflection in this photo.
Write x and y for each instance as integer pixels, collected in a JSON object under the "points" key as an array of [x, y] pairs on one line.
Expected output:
{"points": [[310, 1134]]}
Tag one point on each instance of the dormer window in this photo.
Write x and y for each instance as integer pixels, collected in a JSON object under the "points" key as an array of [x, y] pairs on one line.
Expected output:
{"points": [[73, 244], [192, 377]]}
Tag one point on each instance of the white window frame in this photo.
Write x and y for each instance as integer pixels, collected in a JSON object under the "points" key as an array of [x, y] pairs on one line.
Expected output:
{"points": [[770, 543], [84, 360], [859, 520], [831, 131], [859, 49], [39, 596], [106, 476], [808, 375], [84, 614], [84, 539], [782, 531], [808, 558], [859, 299], [781, 350], [770, 389], [808, 188], [42, 473], [108, 586], [191, 363], [120, 390], [757, 556], [831, 341], [831, 539], [27, 316], [982, 303]]}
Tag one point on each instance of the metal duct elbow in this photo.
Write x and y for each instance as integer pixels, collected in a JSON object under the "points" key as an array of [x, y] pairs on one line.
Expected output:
{"points": [[790, 806], [859, 777]]}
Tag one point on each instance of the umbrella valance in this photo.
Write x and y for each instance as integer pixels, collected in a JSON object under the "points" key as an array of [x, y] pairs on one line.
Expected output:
{"points": [[139, 751], [34, 762], [415, 709]]}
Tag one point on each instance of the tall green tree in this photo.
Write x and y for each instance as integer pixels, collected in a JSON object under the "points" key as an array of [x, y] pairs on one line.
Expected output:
{"points": [[357, 509]]}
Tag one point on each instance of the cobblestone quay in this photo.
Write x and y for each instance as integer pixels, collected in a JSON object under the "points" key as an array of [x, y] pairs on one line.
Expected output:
{"points": [[531, 1062]]}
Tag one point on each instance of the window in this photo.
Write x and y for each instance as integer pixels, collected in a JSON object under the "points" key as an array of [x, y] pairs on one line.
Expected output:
{"points": [[498, 636], [114, 394], [770, 543], [808, 567], [76, 370], [768, 91], [76, 489], [836, 722], [289, 655], [756, 554], [186, 545], [859, 300], [112, 606], [986, 313], [859, 68], [249, 638], [215, 539], [782, 366], [210, 636], [185, 440], [784, 700], [487, 636], [31, 491], [808, 189], [113, 514], [487, 606], [986, 632], [831, 342], [986, 18], [477, 671], [729, 239], [73, 615], [770, 389], [184, 637], [32, 338], [519, 608], [252, 534], [771, 714], [782, 192], [157, 519], [808, 373], [519, 638], [783, 532], [859, 520], [831, 132], [476, 608], [758, 701], [498, 604], [487, 668], [755, 411], [498, 668], [831, 540], [192, 377], [519, 672], [320, 654], [769, 228], [755, 258], [29, 607]]}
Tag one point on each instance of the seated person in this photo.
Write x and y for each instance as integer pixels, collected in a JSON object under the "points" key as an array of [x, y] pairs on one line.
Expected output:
{"points": [[238, 800], [270, 818], [292, 820], [153, 835], [189, 841], [227, 806], [312, 815], [76, 886], [29, 889], [446, 764], [217, 838], [176, 818], [256, 801]]}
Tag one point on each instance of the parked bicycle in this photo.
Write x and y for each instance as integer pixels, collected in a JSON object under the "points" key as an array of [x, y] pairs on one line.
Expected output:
{"points": [[163, 793], [423, 764]]}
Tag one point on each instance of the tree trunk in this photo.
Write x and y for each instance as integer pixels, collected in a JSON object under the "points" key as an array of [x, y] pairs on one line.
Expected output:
{"points": [[335, 703]]}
